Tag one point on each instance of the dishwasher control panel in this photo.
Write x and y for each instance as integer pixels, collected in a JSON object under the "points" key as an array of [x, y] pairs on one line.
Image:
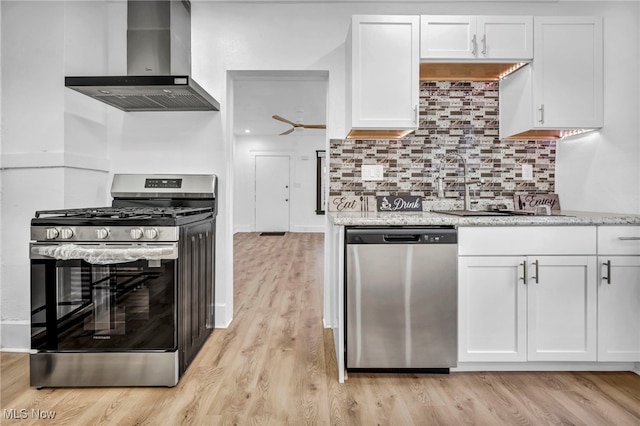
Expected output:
{"points": [[447, 238], [400, 235]]}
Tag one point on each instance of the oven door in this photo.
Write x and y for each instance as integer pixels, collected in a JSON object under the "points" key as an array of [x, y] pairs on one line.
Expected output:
{"points": [[103, 297]]}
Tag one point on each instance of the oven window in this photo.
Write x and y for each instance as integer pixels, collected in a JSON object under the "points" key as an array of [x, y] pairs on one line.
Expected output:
{"points": [[79, 306]]}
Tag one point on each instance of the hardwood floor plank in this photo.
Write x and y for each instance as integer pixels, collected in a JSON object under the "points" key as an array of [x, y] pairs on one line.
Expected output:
{"points": [[276, 365]]}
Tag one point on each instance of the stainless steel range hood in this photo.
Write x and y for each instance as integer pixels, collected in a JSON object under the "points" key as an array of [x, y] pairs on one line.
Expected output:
{"points": [[158, 63]]}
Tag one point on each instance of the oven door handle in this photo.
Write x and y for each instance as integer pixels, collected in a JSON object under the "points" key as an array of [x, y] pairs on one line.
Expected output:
{"points": [[103, 254]]}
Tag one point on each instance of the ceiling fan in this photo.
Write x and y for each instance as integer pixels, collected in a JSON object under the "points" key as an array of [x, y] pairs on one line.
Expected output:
{"points": [[298, 124]]}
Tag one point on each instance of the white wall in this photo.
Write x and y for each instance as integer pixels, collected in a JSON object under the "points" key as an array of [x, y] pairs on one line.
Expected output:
{"points": [[43, 132], [594, 172], [302, 202], [54, 151], [601, 171]]}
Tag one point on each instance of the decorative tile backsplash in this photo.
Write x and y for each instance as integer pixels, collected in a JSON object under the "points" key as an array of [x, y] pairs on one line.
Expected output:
{"points": [[455, 117]]}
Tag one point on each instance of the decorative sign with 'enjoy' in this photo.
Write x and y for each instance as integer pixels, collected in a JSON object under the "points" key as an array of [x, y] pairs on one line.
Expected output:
{"points": [[531, 201], [392, 203]]}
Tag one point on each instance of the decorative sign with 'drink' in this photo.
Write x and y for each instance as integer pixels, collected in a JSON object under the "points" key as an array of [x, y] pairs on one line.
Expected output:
{"points": [[392, 203]]}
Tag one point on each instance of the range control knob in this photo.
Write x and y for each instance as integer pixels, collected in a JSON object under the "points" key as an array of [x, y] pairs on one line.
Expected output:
{"points": [[151, 233], [52, 233], [102, 233], [136, 233], [66, 233]]}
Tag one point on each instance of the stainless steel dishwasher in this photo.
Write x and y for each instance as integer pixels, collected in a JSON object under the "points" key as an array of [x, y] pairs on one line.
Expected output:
{"points": [[401, 299]]}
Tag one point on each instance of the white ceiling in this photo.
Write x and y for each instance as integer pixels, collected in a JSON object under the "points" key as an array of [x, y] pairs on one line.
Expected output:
{"points": [[257, 96]]}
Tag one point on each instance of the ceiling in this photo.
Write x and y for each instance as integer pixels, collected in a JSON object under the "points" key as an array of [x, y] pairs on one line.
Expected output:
{"points": [[257, 96]]}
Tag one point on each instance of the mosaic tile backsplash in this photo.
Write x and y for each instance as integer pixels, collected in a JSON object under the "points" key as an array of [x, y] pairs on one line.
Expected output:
{"points": [[458, 117]]}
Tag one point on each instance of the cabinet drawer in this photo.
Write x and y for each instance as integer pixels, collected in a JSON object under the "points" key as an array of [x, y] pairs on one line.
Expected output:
{"points": [[526, 240], [619, 240]]}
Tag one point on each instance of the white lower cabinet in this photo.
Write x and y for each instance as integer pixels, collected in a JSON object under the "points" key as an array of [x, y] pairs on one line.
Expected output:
{"points": [[525, 308], [527, 294], [562, 309], [492, 309], [619, 293]]}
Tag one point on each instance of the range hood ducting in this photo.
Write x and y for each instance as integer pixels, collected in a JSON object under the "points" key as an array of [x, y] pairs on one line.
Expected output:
{"points": [[158, 63]]}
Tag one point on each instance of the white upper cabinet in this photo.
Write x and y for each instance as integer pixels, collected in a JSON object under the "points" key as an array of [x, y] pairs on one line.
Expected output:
{"points": [[476, 38], [562, 89], [447, 37], [383, 66]]}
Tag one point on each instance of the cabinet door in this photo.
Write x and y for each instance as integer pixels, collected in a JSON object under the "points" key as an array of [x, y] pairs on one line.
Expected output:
{"points": [[567, 72], [505, 37], [619, 308], [448, 37], [492, 309], [561, 299], [385, 72]]}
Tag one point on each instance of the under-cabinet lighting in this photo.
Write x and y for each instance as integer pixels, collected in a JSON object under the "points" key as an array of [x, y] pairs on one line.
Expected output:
{"points": [[467, 71], [378, 134], [511, 69], [574, 132], [548, 134]]}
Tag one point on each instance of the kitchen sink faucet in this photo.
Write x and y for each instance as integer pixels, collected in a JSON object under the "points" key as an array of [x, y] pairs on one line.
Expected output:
{"points": [[466, 181]]}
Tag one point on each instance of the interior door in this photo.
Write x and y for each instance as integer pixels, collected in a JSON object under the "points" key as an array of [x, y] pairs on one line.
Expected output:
{"points": [[272, 193]]}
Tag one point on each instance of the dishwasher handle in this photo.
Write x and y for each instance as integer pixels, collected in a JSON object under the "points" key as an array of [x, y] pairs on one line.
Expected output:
{"points": [[395, 238]]}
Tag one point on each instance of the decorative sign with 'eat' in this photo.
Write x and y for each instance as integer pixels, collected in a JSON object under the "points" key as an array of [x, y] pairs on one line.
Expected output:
{"points": [[392, 203], [351, 203]]}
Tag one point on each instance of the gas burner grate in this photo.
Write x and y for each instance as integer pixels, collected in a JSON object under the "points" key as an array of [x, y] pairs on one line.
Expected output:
{"points": [[123, 212]]}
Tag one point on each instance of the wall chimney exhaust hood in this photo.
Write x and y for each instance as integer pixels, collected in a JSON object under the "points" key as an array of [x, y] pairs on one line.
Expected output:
{"points": [[158, 63]]}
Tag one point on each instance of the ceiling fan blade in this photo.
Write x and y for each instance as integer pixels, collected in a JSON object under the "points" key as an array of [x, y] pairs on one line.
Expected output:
{"points": [[284, 120], [288, 131], [314, 126]]}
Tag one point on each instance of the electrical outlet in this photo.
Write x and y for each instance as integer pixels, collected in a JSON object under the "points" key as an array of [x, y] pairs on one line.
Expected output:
{"points": [[527, 172], [372, 172]]}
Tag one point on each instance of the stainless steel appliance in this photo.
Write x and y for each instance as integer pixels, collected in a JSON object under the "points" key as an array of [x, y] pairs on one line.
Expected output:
{"points": [[158, 63], [124, 295], [401, 299]]}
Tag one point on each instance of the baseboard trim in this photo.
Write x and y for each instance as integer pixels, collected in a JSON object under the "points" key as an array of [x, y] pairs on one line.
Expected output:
{"points": [[15, 336], [308, 228], [223, 318], [241, 229], [544, 366]]}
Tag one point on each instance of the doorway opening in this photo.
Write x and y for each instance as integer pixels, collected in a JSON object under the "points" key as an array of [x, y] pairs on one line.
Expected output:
{"points": [[278, 123], [277, 116]]}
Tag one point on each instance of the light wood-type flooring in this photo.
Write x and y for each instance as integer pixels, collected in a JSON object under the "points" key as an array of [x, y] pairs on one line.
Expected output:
{"points": [[275, 365]]}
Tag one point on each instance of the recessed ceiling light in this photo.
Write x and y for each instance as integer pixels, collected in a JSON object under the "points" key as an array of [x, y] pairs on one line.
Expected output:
{"points": [[247, 130]]}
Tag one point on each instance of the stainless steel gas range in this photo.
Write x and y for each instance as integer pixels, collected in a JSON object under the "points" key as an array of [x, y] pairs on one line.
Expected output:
{"points": [[124, 295]]}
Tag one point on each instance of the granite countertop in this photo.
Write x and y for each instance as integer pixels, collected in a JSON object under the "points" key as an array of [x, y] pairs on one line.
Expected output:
{"points": [[429, 218]]}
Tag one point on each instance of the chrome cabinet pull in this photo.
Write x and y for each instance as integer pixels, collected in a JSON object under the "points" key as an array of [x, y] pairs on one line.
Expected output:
{"points": [[608, 265], [416, 112], [524, 272], [541, 110], [474, 46], [535, 277], [484, 44], [629, 238]]}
